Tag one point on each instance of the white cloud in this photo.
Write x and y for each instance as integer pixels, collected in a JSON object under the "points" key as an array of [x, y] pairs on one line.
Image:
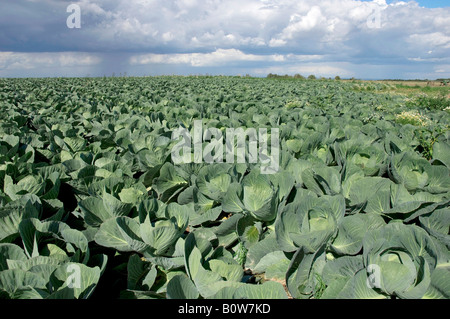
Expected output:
{"points": [[307, 22], [90, 7], [430, 59], [443, 68], [216, 58], [277, 42], [20, 61], [188, 25], [431, 40]]}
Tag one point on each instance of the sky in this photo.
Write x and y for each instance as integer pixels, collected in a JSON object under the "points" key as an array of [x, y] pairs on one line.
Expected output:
{"points": [[377, 39]]}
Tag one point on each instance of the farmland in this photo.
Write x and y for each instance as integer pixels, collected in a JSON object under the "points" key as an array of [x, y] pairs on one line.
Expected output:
{"points": [[92, 204]]}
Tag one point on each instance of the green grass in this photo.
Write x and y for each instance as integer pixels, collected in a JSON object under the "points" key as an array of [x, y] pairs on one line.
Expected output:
{"points": [[435, 91], [438, 102]]}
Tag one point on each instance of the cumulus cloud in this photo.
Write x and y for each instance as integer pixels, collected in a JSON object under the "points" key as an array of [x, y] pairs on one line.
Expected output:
{"points": [[186, 25], [216, 58], [431, 40]]}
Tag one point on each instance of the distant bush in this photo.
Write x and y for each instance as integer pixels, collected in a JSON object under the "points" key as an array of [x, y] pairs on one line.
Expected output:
{"points": [[286, 76]]}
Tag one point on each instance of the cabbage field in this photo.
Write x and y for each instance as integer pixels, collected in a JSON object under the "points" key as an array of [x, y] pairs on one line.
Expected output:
{"points": [[93, 205]]}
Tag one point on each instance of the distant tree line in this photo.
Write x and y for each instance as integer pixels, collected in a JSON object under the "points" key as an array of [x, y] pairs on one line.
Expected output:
{"points": [[297, 76]]}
